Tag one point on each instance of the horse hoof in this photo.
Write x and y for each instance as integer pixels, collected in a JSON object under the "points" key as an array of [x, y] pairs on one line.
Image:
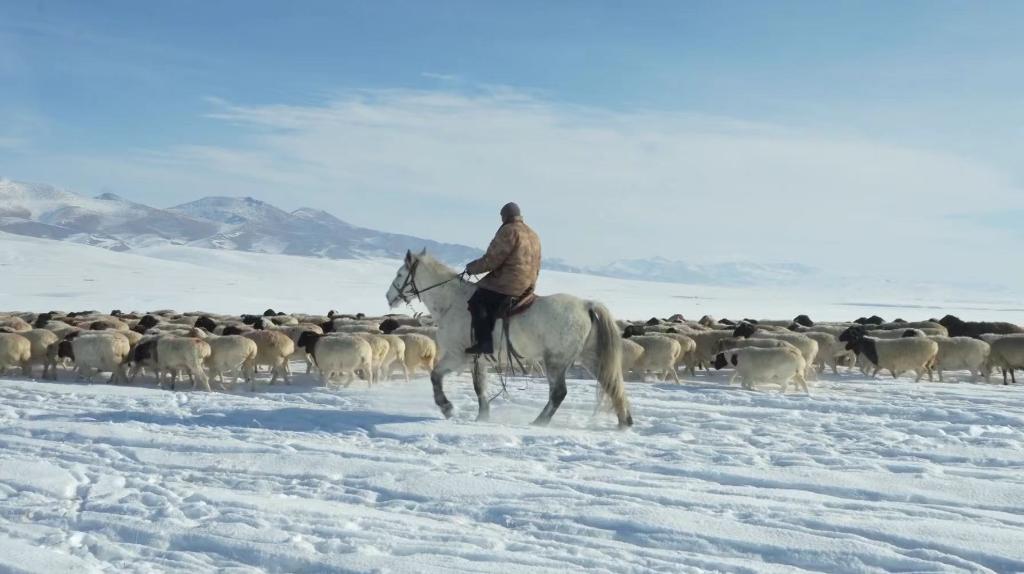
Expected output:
{"points": [[447, 411], [482, 418], [540, 422]]}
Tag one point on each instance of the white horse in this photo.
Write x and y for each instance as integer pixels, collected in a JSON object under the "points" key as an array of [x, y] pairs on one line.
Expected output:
{"points": [[555, 331]]}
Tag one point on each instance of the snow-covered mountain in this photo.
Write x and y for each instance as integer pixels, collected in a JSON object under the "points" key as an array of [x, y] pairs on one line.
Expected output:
{"points": [[243, 224], [251, 225]]}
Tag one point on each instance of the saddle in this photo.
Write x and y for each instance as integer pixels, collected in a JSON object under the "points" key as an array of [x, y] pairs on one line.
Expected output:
{"points": [[517, 305]]}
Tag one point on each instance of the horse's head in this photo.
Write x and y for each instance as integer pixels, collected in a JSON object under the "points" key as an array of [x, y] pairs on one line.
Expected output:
{"points": [[403, 288]]}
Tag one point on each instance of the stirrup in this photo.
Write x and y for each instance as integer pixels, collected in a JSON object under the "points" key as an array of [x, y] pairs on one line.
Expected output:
{"points": [[477, 350]]}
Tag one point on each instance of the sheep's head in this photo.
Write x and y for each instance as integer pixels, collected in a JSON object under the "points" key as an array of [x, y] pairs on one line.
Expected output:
{"points": [[206, 323], [387, 326], [232, 330], [744, 330], [724, 359], [911, 333], [633, 331], [874, 320], [327, 326], [950, 321], [653, 321], [147, 322], [65, 350], [854, 345], [803, 320], [852, 334], [308, 339], [727, 322], [144, 351]]}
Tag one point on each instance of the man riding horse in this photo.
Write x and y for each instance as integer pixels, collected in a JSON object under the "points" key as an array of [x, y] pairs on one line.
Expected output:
{"points": [[512, 264]]}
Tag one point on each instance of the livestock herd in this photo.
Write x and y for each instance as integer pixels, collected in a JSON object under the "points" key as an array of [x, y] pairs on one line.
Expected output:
{"points": [[783, 351], [206, 346]]}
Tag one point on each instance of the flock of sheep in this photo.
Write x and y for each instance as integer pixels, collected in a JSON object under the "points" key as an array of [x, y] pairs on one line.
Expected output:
{"points": [[793, 350], [205, 346]]}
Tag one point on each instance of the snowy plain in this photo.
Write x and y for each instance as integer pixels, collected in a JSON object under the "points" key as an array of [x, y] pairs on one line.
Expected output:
{"points": [[860, 476]]}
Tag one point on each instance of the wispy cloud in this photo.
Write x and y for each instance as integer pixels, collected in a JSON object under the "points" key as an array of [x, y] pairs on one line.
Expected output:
{"points": [[599, 184]]}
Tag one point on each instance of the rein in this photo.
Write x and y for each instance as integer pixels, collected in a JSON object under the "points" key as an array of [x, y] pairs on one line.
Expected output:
{"points": [[410, 281]]}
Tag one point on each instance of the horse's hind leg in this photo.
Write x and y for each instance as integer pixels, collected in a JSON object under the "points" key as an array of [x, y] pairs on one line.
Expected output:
{"points": [[480, 386], [556, 393]]}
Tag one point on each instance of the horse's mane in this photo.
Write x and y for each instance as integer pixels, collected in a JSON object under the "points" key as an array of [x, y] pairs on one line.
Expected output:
{"points": [[438, 266]]}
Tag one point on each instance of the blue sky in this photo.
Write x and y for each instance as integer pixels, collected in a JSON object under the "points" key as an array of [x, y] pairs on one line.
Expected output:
{"points": [[424, 117]]}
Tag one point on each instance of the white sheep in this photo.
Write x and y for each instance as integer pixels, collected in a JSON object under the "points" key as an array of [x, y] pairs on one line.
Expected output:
{"points": [[830, 351], [420, 352], [741, 343], [707, 346], [381, 347], [14, 323], [808, 347], [337, 355], [895, 333], [1006, 353], [395, 357], [357, 328], [15, 351], [631, 353], [97, 351], [183, 354], [59, 328], [961, 353], [42, 340], [897, 355], [407, 330], [273, 349], [660, 356], [232, 354], [757, 364], [687, 350], [294, 332]]}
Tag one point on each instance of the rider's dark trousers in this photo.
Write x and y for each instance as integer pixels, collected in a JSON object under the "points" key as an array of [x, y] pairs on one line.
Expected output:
{"points": [[484, 306]]}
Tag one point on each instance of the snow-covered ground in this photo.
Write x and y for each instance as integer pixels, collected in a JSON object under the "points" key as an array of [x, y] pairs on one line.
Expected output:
{"points": [[859, 477], [862, 476]]}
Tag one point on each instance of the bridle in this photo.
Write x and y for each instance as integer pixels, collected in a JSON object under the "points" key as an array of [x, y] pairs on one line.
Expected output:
{"points": [[406, 294]]}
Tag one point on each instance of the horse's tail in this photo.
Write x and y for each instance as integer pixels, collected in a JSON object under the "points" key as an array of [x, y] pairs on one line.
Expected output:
{"points": [[609, 361]]}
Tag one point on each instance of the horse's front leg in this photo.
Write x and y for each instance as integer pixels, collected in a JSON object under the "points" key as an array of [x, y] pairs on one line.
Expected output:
{"points": [[480, 386], [444, 366]]}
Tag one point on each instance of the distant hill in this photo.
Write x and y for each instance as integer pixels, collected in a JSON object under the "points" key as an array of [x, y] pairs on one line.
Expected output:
{"points": [[248, 224]]}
